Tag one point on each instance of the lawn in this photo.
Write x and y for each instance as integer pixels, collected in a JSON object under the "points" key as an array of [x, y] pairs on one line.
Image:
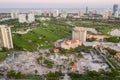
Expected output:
{"points": [[105, 30], [3, 55], [41, 37], [47, 32]]}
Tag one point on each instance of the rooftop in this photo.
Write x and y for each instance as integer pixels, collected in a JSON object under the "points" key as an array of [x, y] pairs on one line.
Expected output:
{"points": [[3, 26], [117, 55], [74, 66], [68, 42], [79, 28]]}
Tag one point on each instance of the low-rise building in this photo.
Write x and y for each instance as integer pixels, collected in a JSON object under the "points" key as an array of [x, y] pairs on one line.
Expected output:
{"points": [[56, 50], [117, 55], [43, 19], [71, 44], [97, 36], [74, 66]]}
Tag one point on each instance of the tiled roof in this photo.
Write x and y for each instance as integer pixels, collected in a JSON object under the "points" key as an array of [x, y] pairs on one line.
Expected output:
{"points": [[70, 42], [74, 66], [117, 55]]}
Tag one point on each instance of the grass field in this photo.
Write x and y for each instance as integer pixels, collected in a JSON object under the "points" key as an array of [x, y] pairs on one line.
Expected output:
{"points": [[102, 26], [41, 37], [47, 32], [3, 55]]}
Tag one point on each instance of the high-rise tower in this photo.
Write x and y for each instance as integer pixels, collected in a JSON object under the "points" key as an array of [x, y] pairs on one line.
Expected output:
{"points": [[115, 8], [5, 37], [79, 33]]}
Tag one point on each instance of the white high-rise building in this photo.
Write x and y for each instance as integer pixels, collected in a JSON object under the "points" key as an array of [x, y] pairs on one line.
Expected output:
{"points": [[5, 37], [26, 18], [79, 33], [36, 12], [22, 18], [31, 18], [14, 14], [45, 13], [55, 13], [63, 14], [116, 14], [80, 13], [107, 13]]}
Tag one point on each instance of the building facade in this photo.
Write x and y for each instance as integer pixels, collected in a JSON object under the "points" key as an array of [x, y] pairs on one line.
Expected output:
{"points": [[5, 37], [14, 14], [79, 33], [56, 13], [64, 14], [31, 18], [115, 8], [80, 13], [68, 44], [36, 12], [26, 18], [22, 18], [107, 14]]}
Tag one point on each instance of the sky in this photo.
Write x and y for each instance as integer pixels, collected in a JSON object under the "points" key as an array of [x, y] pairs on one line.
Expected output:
{"points": [[57, 3]]}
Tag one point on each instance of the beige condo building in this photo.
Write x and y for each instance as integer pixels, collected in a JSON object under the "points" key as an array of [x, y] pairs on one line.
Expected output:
{"points": [[5, 37], [80, 13], [79, 33]]}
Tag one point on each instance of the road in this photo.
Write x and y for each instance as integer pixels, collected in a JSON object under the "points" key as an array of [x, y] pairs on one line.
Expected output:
{"points": [[105, 58]]}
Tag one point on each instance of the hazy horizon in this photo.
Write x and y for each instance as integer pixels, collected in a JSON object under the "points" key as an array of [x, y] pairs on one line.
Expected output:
{"points": [[57, 4]]}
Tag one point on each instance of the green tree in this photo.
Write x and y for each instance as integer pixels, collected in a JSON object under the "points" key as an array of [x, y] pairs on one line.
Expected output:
{"points": [[113, 39], [91, 39], [36, 71], [112, 52], [18, 75], [53, 76], [12, 74]]}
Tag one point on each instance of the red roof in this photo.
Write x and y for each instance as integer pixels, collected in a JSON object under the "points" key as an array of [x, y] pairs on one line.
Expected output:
{"points": [[117, 55], [56, 50], [74, 66], [70, 42]]}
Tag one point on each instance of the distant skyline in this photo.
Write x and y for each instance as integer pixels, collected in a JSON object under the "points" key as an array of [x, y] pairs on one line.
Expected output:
{"points": [[57, 4]]}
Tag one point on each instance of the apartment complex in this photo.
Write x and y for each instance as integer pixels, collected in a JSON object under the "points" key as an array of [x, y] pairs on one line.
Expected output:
{"points": [[5, 37], [64, 14], [107, 13], [55, 13], [80, 13], [28, 18], [14, 14], [36, 12], [31, 18], [79, 33], [22, 18]]}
